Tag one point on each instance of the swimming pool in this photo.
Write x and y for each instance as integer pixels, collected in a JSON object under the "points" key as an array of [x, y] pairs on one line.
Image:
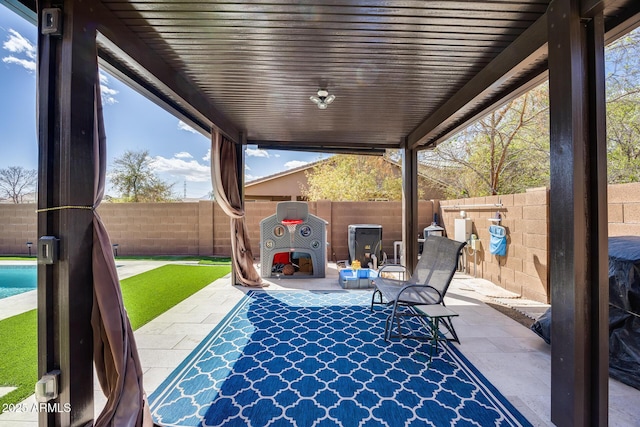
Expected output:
{"points": [[16, 279]]}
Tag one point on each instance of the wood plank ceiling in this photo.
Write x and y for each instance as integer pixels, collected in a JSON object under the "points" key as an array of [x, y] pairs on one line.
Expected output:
{"points": [[392, 64]]}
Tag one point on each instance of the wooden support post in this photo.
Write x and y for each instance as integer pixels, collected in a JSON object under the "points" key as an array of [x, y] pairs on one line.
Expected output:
{"points": [[66, 75], [410, 207], [578, 218]]}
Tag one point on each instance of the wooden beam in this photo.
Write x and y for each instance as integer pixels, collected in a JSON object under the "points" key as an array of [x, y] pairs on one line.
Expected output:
{"points": [[591, 8], [529, 48], [319, 148], [125, 56], [160, 77], [24, 8], [623, 23], [578, 221], [66, 77], [113, 66], [46, 223], [410, 230], [324, 145], [531, 81], [598, 239]]}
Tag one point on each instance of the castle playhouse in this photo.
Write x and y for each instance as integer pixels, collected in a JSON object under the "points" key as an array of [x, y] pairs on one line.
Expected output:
{"points": [[293, 243]]}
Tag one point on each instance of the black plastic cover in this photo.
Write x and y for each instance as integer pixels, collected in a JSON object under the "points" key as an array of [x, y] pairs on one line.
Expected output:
{"points": [[624, 311]]}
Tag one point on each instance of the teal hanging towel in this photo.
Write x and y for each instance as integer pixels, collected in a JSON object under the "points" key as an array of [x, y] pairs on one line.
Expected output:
{"points": [[498, 242]]}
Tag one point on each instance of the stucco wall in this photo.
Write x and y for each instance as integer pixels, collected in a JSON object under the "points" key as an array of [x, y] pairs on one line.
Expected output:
{"points": [[287, 187]]}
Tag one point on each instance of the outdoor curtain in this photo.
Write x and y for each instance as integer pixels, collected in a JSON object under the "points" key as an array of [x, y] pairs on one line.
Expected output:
{"points": [[115, 352], [227, 194]]}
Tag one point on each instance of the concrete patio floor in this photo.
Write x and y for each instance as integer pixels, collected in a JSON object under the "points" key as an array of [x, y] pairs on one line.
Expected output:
{"points": [[513, 358]]}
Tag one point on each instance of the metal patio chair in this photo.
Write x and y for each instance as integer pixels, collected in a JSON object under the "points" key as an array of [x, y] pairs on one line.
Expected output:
{"points": [[426, 286]]}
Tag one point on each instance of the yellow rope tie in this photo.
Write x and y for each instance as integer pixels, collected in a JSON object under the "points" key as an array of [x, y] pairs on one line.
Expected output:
{"points": [[57, 208]]}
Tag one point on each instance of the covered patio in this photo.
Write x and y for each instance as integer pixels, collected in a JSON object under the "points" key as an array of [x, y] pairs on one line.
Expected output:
{"points": [[405, 75], [512, 357]]}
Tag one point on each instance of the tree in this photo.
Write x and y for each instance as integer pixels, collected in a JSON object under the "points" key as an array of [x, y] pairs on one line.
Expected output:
{"points": [[133, 178], [508, 150], [623, 109], [505, 152], [346, 177], [623, 141], [16, 182]]}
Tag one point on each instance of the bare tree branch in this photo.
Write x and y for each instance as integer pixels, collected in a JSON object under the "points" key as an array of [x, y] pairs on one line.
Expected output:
{"points": [[16, 182]]}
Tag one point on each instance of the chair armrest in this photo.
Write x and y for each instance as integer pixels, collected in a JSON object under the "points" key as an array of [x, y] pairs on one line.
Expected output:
{"points": [[394, 268], [410, 286]]}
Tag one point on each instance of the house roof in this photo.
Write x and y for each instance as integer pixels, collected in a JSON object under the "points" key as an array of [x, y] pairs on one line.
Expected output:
{"points": [[314, 164], [284, 173]]}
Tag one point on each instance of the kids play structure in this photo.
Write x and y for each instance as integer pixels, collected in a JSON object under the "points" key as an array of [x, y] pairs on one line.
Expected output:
{"points": [[293, 242]]}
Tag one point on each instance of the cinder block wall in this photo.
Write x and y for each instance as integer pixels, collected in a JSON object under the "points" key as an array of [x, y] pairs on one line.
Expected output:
{"points": [[203, 229], [624, 209], [524, 269], [387, 214], [17, 227], [154, 228], [339, 216]]}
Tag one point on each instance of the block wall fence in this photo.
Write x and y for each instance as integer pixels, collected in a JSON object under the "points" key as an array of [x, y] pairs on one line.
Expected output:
{"points": [[202, 228]]}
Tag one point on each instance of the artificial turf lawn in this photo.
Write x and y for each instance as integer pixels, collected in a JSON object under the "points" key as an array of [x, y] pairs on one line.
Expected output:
{"points": [[18, 356], [145, 296], [152, 293]]}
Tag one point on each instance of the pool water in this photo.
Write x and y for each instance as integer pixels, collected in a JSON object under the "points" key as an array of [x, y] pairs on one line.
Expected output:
{"points": [[16, 279]]}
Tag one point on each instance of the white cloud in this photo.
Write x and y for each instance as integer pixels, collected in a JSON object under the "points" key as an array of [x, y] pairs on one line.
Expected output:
{"points": [[108, 94], [183, 155], [249, 177], [183, 126], [207, 157], [256, 152], [24, 63], [276, 155], [246, 167], [182, 169], [18, 45], [295, 164]]}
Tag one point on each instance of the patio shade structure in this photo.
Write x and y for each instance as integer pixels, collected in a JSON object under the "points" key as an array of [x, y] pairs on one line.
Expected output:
{"points": [[405, 74]]}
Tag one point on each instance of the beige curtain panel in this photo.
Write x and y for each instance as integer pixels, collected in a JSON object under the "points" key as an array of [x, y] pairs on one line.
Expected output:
{"points": [[224, 177], [115, 352]]}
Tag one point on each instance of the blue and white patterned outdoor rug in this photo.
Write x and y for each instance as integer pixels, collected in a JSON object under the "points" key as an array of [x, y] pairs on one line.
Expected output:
{"points": [[305, 358]]}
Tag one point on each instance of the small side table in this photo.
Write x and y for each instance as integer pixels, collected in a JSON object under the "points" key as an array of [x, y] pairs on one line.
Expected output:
{"points": [[437, 313]]}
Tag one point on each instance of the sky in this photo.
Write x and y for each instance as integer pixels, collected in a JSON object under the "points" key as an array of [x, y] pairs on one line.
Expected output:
{"points": [[180, 154]]}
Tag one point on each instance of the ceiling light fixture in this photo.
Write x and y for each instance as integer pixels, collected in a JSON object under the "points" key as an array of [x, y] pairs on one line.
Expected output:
{"points": [[323, 99]]}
